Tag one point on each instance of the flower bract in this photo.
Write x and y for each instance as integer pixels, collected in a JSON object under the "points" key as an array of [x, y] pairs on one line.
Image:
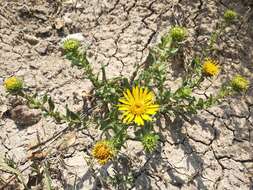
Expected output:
{"points": [[71, 45], [149, 142], [230, 15], [178, 33], [239, 83]]}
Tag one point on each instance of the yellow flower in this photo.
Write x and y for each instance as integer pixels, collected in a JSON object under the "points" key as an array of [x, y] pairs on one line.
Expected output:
{"points": [[210, 67], [103, 151], [239, 83], [138, 105], [13, 84]]}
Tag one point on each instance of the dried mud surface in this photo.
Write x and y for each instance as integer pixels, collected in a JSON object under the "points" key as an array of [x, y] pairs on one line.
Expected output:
{"points": [[213, 151]]}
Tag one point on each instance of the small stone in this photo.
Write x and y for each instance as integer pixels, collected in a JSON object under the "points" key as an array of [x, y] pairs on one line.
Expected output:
{"points": [[59, 23], [15, 101], [76, 168], [24, 116], [18, 154], [69, 2], [3, 110], [75, 36], [68, 140], [44, 32], [23, 11], [31, 39], [66, 19], [1, 81], [42, 48]]}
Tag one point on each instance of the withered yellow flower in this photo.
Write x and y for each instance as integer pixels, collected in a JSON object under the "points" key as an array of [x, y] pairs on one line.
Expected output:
{"points": [[103, 151], [210, 67], [138, 105], [13, 84]]}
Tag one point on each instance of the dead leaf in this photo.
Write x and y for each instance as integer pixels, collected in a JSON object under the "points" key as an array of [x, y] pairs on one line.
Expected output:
{"points": [[38, 155]]}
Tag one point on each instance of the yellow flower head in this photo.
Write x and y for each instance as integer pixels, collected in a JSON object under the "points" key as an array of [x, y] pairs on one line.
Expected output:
{"points": [[138, 105], [210, 67], [13, 84], [103, 151], [239, 83]]}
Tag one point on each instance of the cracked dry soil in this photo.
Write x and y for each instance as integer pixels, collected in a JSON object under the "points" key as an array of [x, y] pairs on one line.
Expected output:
{"points": [[213, 151]]}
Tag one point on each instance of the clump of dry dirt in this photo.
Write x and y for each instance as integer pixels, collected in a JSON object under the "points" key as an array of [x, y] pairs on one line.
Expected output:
{"points": [[214, 151]]}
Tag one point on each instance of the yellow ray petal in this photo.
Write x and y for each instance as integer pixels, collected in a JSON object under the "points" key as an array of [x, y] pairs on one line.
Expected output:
{"points": [[125, 113], [136, 93], [123, 108], [141, 93], [150, 102], [125, 120], [145, 92], [130, 96], [153, 106], [146, 117], [124, 101], [138, 120], [151, 111], [131, 117], [126, 96]]}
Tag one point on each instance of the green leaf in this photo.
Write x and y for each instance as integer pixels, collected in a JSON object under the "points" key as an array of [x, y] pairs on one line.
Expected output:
{"points": [[47, 179], [126, 83], [112, 90], [166, 41], [184, 92], [44, 99], [51, 104], [174, 50], [196, 63], [151, 58], [103, 73], [200, 103], [71, 115], [7, 168]]}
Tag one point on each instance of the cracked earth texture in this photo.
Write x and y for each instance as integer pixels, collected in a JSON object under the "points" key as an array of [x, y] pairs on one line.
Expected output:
{"points": [[213, 151]]}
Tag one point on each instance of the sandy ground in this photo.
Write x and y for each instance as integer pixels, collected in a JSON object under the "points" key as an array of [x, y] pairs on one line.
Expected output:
{"points": [[214, 151]]}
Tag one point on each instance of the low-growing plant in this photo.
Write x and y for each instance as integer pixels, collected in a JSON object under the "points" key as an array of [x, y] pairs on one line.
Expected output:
{"points": [[139, 102]]}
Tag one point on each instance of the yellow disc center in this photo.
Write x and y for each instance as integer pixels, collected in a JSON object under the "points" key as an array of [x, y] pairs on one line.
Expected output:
{"points": [[103, 152], [138, 108]]}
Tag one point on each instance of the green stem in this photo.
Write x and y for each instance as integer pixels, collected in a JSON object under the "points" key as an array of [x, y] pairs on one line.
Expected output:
{"points": [[39, 105]]}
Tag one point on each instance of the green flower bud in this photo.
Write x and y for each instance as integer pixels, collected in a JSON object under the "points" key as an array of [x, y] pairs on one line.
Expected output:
{"points": [[70, 45], [230, 16], [178, 33], [150, 142], [13, 84], [239, 83]]}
